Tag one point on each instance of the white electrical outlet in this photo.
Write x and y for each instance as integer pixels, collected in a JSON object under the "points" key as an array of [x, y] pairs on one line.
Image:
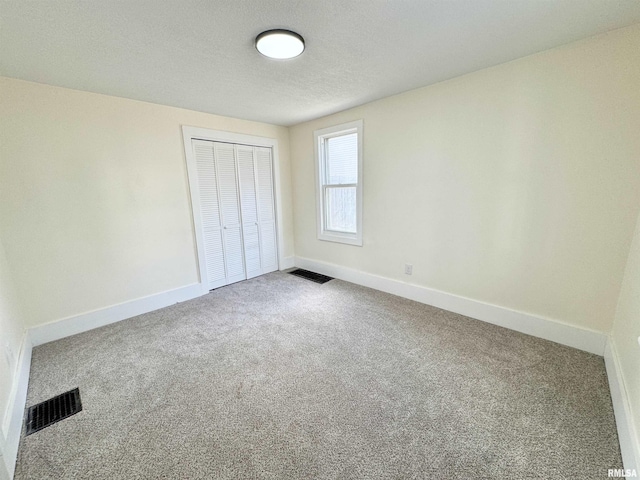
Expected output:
{"points": [[408, 269]]}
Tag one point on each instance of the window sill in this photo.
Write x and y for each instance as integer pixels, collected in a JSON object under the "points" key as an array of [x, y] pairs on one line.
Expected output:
{"points": [[347, 239]]}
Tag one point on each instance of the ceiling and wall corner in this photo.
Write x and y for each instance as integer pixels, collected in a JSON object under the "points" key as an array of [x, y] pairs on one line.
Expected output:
{"points": [[516, 186], [94, 203], [186, 54], [201, 55], [173, 55], [542, 150]]}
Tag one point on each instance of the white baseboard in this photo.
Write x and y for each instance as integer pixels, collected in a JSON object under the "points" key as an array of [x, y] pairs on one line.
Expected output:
{"points": [[12, 423], [583, 339], [287, 263], [49, 332], [629, 443], [115, 313], [554, 330]]}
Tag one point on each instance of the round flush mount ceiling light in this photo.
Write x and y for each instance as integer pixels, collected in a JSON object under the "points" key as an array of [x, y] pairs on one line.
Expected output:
{"points": [[280, 44]]}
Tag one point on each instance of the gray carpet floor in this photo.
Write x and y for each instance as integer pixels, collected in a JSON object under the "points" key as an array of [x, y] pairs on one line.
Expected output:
{"points": [[279, 377]]}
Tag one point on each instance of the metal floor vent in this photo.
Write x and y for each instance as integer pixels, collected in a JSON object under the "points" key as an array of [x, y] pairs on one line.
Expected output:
{"points": [[53, 410], [314, 277]]}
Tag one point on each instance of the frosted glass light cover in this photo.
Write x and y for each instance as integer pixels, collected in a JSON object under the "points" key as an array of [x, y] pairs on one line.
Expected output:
{"points": [[279, 44]]}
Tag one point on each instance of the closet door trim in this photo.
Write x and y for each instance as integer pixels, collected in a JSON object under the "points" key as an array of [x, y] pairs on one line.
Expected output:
{"points": [[196, 133]]}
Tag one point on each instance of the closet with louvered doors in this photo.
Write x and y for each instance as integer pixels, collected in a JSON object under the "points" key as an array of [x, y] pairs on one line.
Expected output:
{"points": [[237, 214]]}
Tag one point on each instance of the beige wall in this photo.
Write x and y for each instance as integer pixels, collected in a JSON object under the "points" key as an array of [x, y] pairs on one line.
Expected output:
{"points": [[94, 203], [11, 334], [518, 185], [626, 331]]}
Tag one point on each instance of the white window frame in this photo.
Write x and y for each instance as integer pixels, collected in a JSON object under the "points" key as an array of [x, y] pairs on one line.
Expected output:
{"points": [[320, 137]]}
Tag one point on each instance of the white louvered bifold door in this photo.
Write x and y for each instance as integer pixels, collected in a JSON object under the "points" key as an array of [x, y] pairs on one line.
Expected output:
{"points": [[230, 207], [266, 209], [210, 214], [249, 209]]}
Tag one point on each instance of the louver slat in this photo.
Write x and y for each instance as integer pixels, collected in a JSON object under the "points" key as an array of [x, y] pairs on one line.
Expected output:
{"points": [[267, 223], [249, 207], [210, 213], [232, 229]]}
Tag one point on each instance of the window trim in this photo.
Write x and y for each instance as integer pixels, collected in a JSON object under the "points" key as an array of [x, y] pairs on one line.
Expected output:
{"points": [[319, 137]]}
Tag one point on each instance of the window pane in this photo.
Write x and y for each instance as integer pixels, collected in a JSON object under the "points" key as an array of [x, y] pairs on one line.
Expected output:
{"points": [[342, 159], [341, 209]]}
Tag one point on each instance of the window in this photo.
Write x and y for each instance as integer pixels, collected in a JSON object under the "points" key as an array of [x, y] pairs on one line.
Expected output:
{"points": [[339, 170]]}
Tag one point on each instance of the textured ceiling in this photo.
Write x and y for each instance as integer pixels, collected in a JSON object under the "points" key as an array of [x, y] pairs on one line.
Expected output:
{"points": [[200, 55]]}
